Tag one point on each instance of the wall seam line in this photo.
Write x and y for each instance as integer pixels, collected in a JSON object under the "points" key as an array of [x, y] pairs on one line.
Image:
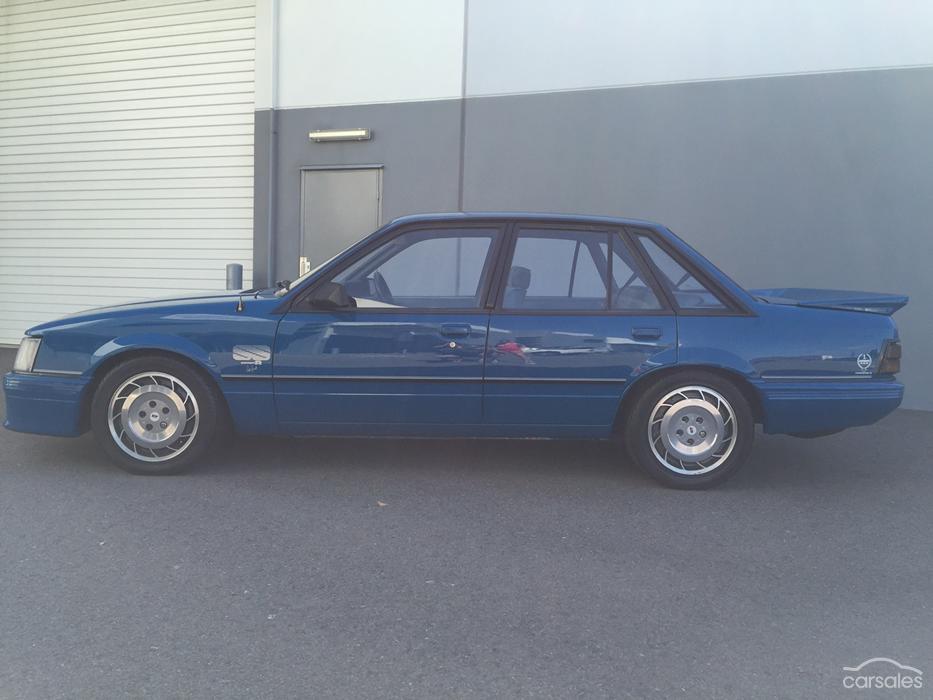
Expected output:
{"points": [[463, 87]]}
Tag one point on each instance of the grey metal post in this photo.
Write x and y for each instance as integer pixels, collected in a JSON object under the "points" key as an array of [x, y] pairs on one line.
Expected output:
{"points": [[234, 276]]}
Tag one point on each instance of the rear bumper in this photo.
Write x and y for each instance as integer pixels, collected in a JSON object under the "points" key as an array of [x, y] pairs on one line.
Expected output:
{"points": [[44, 404], [825, 405]]}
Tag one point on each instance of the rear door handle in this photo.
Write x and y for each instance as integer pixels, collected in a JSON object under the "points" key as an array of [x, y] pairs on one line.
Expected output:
{"points": [[646, 333], [455, 330]]}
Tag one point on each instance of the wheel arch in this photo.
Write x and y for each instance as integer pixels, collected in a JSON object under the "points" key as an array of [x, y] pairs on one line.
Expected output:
{"points": [[635, 389], [114, 359]]}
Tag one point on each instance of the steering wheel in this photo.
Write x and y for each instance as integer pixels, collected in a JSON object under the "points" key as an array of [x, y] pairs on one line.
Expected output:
{"points": [[381, 288]]}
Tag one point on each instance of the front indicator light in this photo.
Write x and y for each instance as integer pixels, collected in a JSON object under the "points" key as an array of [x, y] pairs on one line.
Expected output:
{"points": [[26, 355], [891, 359]]}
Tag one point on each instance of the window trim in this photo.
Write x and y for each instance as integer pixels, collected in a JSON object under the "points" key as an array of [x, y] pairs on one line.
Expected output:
{"points": [[732, 306], [508, 252], [497, 229]]}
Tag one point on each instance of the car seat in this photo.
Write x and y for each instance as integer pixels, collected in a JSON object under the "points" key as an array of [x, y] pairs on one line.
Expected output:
{"points": [[517, 287]]}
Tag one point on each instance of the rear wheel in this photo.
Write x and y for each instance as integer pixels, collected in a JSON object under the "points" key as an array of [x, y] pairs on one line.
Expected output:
{"points": [[690, 430], [154, 415]]}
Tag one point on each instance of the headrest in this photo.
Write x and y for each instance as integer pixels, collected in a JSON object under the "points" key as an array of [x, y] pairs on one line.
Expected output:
{"points": [[519, 277]]}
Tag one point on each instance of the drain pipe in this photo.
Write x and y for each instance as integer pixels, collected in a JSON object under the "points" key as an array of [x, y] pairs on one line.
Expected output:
{"points": [[271, 214], [272, 163]]}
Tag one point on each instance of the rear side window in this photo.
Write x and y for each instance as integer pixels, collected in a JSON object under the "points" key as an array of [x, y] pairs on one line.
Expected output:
{"points": [[569, 270], [687, 290], [557, 270]]}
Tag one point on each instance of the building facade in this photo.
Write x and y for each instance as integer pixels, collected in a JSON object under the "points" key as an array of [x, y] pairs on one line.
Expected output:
{"points": [[789, 141]]}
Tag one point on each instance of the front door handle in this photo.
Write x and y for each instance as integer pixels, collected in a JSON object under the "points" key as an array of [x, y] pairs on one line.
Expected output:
{"points": [[646, 333], [455, 330]]}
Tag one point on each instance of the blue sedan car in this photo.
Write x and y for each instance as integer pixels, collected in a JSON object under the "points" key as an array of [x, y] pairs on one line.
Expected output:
{"points": [[480, 325]]}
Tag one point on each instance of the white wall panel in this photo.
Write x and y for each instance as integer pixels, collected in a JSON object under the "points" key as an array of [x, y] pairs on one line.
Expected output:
{"points": [[367, 51], [126, 152], [517, 46]]}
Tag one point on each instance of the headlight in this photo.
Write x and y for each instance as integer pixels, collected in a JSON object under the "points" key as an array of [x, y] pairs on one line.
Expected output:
{"points": [[26, 355]]}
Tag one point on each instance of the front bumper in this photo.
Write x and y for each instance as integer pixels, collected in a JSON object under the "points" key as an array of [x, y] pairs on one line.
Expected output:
{"points": [[44, 404], [817, 406]]}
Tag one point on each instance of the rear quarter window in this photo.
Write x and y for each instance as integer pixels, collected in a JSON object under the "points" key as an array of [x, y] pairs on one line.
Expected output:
{"points": [[687, 290]]}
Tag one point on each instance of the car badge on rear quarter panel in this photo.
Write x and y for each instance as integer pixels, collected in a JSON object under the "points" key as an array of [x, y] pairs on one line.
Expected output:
{"points": [[251, 355], [864, 363]]}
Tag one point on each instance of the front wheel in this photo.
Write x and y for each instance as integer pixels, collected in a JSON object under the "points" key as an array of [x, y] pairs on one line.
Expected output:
{"points": [[691, 430], [154, 415]]}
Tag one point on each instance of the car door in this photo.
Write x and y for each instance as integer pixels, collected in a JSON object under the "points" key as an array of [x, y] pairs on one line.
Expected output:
{"points": [[408, 355], [577, 317]]}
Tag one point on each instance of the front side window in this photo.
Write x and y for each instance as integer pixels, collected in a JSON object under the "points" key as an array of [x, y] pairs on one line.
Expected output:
{"points": [[687, 290], [430, 269], [567, 270]]}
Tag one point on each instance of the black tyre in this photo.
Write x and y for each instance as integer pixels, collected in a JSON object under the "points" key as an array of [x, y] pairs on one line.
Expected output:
{"points": [[690, 430], [155, 415]]}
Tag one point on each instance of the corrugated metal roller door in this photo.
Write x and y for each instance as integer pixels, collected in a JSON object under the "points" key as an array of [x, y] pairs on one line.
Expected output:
{"points": [[126, 152]]}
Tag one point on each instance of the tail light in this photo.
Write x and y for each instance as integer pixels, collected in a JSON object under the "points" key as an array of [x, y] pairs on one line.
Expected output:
{"points": [[891, 359]]}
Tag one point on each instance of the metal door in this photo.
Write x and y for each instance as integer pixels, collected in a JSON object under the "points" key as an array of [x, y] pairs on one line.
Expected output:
{"points": [[338, 208]]}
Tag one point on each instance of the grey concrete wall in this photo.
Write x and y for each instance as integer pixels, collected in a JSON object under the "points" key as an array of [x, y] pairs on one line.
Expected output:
{"points": [[417, 143], [815, 180]]}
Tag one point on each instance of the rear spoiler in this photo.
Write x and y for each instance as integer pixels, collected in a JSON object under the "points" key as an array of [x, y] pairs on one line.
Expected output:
{"points": [[871, 302]]}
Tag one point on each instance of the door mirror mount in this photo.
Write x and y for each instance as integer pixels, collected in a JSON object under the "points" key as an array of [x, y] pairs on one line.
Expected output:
{"points": [[331, 296]]}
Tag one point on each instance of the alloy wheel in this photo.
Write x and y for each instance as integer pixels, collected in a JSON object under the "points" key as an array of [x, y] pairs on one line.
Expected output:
{"points": [[153, 416], [692, 430]]}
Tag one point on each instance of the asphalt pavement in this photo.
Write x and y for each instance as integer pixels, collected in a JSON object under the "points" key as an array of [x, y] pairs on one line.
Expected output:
{"points": [[464, 569]]}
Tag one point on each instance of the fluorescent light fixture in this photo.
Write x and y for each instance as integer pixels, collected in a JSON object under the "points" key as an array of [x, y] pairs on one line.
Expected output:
{"points": [[340, 135], [26, 355]]}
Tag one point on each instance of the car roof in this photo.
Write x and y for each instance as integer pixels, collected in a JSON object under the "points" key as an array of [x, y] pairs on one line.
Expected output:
{"points": [[521, 216]]}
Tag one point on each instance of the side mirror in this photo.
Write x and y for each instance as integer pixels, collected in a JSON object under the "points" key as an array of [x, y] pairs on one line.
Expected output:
{"points": [[331, 295]]}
